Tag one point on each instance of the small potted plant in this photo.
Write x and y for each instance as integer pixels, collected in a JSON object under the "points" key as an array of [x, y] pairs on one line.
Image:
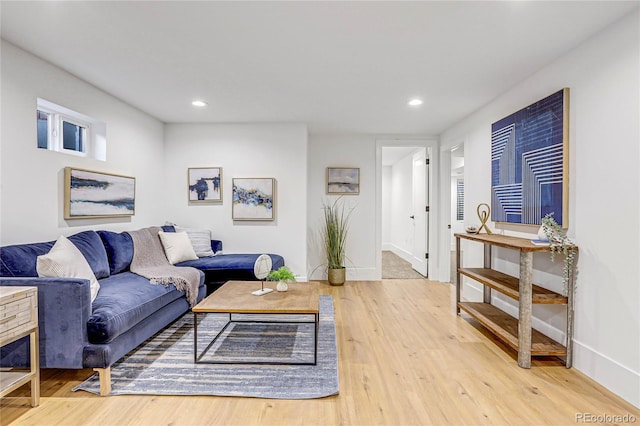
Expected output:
{"points": [[283, 275]]}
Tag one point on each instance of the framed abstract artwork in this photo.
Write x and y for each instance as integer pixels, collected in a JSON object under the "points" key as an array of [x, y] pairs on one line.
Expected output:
{"points": [[253, 199], [343, 180], [529, 163], [205, 184], [89, 194]]}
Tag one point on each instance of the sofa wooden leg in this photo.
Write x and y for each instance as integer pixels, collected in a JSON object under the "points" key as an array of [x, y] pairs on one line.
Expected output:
{"points": [[105, 380]]}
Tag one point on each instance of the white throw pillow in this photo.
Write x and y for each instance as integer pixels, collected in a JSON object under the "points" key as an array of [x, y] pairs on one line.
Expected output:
{"points": [[64, 260], [200, 240], [177, 247]]}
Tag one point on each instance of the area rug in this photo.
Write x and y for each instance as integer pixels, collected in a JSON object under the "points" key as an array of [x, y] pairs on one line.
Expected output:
{"points": [[395, 267], [164, 365]]}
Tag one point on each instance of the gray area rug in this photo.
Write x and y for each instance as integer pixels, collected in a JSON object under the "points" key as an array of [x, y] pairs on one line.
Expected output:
{"points": [[164, 365], [395, 267]]}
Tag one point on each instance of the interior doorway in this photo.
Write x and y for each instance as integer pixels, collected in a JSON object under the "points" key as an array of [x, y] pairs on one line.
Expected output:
{"points": [[405, 212]]}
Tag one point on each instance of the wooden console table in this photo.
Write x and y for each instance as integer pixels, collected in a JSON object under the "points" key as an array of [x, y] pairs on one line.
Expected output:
{"points": [[516, 333], [19, 318]]}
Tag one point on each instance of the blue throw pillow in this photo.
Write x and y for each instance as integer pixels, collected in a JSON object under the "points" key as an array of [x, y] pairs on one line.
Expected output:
{"points": [[20, 260], [119, 248], [90, 245]]}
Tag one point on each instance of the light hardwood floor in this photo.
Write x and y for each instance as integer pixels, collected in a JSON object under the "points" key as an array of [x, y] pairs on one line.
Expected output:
{"points": [[404, 358]]}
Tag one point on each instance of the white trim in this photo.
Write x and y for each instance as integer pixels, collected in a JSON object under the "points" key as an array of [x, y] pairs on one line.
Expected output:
{"points": [[618, 378], [431, 145], [362, 274]]}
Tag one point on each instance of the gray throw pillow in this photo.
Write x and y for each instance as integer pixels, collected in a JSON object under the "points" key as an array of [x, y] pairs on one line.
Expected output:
{"points": [[200, 240]]}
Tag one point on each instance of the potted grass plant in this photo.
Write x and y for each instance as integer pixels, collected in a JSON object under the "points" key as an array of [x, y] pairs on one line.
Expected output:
{"points": [[334, 237]]}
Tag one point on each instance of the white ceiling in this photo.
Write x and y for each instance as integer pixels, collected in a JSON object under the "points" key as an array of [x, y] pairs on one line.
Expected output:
{"points": [[337, 66]]}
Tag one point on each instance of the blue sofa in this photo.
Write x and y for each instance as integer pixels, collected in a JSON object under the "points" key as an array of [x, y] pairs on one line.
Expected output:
{"points": [[76, 333]]}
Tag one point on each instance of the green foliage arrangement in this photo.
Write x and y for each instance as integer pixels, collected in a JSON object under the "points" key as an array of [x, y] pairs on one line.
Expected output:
{"points": [[560, 243], [282, 274], [334, 232]]}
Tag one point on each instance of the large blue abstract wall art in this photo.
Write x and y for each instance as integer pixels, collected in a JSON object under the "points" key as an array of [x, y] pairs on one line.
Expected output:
{"points": [[529, 162]]}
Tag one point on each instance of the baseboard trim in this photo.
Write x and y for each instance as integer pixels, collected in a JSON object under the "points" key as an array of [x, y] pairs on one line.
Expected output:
{"points": [[619, 379]]}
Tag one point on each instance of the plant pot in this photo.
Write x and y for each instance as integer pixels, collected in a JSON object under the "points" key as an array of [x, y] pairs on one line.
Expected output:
{"points": [[337, 276], [282, 286], [542, 236]]}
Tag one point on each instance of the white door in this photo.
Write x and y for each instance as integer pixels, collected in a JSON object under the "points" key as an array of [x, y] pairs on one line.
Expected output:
{"points": [[420, 216]]}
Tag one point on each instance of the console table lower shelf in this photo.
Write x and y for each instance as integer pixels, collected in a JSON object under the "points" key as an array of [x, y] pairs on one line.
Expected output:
{"points": [[18, 319], [505, 328]]}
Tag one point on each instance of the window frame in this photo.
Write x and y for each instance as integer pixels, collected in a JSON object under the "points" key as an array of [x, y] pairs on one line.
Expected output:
{"points": [[61, 119], [57, 116]]}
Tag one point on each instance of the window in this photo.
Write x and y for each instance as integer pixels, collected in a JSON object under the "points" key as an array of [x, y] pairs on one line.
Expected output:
{"points": [[73, 136], [64, 130], [460, 199], [43, 129]]}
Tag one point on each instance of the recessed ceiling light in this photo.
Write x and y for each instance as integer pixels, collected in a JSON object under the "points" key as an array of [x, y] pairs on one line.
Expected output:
{"points": [[199, 103], [415, 102]]}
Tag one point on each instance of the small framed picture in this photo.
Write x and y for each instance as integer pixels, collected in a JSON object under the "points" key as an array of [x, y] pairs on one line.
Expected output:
{"points": [[253, 199], [89, 194], [205, 184], [343, 180]]}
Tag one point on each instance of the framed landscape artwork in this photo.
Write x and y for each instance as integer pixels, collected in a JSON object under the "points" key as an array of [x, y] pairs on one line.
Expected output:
{"points": [[343, 180], [529, 163], [205, 184], [89, 194], [253, 199]]}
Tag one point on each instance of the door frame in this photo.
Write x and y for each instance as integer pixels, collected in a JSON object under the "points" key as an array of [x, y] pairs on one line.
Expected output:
{"points": [[432, 151], [444, 209]]}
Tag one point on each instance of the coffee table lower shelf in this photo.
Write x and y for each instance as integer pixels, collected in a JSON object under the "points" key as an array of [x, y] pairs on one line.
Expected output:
{"points": [[505, 328], [197, 358]]}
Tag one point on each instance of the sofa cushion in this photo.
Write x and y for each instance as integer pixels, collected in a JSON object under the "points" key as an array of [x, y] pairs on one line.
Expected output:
{"points": [[119, 249], [124, 300], [91, 246], [20, 260], [64, 260], [200, 240], [177, 246], [241, 262]]}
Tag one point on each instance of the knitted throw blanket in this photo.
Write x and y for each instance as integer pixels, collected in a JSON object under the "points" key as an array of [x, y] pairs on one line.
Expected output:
{"points": [[150, 262]]}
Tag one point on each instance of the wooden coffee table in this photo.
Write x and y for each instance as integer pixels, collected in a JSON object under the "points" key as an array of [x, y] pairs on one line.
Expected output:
{"points": [[235, 297]]}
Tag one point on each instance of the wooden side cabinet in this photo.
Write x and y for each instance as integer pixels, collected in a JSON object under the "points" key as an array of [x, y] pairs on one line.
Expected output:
{"points": [[19, 318], [515, 332]]}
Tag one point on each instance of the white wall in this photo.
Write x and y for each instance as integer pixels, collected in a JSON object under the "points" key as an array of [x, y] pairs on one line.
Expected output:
{"points": [[243, 151], [344, 151], [32, 178], [603, 75]]}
